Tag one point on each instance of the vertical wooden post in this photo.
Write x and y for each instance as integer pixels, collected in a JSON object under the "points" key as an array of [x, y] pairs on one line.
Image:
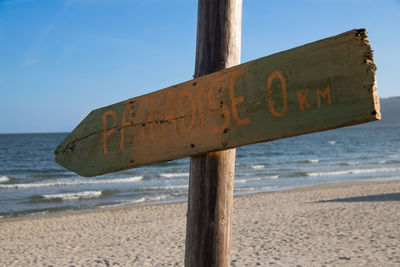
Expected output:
{"points": [[211, 181]]}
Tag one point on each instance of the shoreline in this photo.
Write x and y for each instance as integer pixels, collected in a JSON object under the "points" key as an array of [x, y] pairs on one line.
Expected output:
{"points": [[175, 201], [346, 223]]}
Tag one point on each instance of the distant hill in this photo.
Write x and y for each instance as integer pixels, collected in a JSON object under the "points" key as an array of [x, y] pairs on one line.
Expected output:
{"points": [[390, 110]]}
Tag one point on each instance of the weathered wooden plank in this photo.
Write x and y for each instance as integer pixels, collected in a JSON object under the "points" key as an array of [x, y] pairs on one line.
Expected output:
{"points": [[210, 200], [322, 85]]}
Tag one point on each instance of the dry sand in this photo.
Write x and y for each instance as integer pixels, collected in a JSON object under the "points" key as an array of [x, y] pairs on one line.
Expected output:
{"points": [[344, 224]]}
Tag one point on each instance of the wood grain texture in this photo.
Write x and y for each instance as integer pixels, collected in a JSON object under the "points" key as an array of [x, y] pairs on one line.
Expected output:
{"points": [[218, 44], [210, 203], [319, 86]]}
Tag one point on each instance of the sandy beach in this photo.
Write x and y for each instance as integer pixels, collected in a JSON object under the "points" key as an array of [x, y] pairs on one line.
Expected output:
{"points": [[341, 224]]}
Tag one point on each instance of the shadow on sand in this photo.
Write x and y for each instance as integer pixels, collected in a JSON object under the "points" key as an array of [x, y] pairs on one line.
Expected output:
{"points": [[370, 198]]}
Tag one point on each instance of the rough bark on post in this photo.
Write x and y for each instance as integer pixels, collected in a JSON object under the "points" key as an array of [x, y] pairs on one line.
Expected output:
{"points": [[211, 182]]}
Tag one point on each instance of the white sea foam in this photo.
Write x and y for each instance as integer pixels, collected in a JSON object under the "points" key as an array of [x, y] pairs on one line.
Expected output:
{"points": [[72, 182], [147, 199], [4, 179], [271, 177], [74, 196], [382, 162], [257, 166], [257, 179], [173, 175], [247, 180], [167, 187], [254, 188], [352, 163], [313, 160], [40, 213], [133, 179], [353, 171], [332, 142], [395, 156], [136, 201]]}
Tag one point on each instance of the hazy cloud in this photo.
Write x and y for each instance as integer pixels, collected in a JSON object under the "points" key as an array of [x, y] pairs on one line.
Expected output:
{"points": [[37, 48]]}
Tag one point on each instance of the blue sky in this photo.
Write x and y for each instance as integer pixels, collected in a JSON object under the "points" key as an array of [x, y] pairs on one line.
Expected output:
{"points": [[60, 59]]}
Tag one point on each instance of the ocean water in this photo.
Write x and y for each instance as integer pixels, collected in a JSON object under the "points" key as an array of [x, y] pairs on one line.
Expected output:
{"points": [[32, 184]]}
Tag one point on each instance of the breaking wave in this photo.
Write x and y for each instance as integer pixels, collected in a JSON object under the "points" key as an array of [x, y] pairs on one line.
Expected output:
{"points": [[73, 182], [74, 196], [4, 179], [173, 175]]}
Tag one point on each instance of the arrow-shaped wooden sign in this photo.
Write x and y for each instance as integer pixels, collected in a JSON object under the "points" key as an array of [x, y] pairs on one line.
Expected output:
{"points": [[319, 86]]}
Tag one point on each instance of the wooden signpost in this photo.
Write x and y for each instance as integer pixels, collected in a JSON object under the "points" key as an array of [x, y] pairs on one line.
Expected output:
{"points": [[211, 178], [319, 86]]}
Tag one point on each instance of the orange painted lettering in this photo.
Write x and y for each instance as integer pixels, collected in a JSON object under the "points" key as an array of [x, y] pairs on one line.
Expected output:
{"points": [[185, 94], [303, 102], [200, 92], [147, 120], [106, 132], [128, 112], [236, 99], [324, 94], [168, 117], [214, 105], [277, 75]]}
